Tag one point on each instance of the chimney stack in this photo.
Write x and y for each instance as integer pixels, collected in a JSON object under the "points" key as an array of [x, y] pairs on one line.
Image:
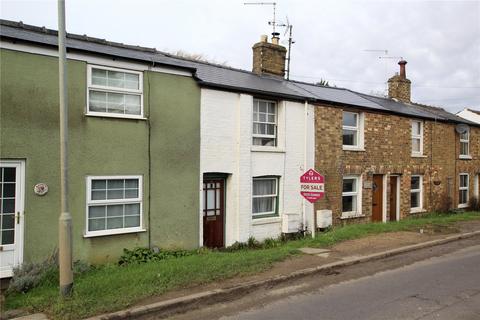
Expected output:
{"points": [[399, 85], [269, 58]]}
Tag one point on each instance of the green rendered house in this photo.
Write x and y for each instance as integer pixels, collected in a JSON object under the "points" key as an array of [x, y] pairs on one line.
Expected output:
{"points": [[134, 133]]}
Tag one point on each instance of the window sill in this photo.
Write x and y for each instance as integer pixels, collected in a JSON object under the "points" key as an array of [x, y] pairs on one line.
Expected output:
{"points": [[265, 220], [106, 115], [462, 157], [267, 149], [113, 232], [349, 148], [417, 210], [462, 206], [418, 156], [352, 216]]}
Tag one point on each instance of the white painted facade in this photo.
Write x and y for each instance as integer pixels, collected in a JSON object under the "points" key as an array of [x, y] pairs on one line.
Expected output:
{"points": [[469, 115], [226, 147]]}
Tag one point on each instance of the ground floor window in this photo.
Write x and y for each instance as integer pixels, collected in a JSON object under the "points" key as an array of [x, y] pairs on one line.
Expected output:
{"points": [[463, 191], [114, 204], [265, 197], [351, 196], [416, 193]]}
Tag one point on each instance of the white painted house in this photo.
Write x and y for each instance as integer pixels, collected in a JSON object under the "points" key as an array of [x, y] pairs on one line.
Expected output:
{"points": [[253, 152]]}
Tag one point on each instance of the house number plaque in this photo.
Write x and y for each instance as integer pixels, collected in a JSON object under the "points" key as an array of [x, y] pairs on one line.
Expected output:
{"points": [[40, 189]]}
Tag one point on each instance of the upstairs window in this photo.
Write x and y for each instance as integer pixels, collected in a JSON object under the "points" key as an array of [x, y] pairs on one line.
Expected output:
{"points": [[417, 138], [463, 190], [352, 130], [114, 92], [264, 123], [465, 144], [264, 197]]}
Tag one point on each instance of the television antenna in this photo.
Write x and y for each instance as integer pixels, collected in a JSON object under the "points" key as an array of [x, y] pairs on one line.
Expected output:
{"points": [[273, 22], [384, 55]]}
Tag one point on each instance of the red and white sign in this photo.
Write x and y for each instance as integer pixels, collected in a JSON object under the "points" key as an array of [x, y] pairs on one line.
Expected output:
{"points": [[312, 185]]}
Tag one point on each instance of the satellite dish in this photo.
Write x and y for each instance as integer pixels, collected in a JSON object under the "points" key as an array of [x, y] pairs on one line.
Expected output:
{"points": [[461, 128]]}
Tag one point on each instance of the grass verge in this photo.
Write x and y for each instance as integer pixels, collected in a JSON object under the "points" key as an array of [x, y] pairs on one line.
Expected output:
{"points": [[111, 287]]}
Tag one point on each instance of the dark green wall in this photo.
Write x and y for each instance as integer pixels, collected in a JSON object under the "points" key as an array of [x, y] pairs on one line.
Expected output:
{"points": [[101, 146]]}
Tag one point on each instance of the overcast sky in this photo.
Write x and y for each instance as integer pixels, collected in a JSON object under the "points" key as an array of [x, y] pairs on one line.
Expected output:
{"points": [[439, 39]]}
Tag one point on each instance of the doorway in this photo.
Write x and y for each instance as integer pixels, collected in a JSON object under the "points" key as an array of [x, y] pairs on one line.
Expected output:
{"points": [[394, 211], [213, 212], [377, 198], [11, 216]]}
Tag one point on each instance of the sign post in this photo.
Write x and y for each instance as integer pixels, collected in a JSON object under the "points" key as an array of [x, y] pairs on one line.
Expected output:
{"points": [[312, 188]]}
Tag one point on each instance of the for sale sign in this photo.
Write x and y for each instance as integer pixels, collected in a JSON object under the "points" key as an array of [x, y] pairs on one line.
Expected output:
{"points": [[312, 185]]}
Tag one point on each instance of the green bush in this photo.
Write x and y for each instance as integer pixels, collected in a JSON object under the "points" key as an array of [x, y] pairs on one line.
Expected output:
{"points": [[271, 243], [31, 275], [252, 243], [143, 255]]}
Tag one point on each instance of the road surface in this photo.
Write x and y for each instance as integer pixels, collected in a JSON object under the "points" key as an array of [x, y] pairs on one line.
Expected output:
{"points": [[443, 285], [447, 288]]}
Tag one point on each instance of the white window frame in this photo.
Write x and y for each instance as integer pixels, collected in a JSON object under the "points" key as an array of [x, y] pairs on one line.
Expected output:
{"points": [[419, 191], [466, 141], [460, 188], [267, 136], [358, 194], [358, 128], [268, 214], [91, 86], [416, 136], [89, 202]]}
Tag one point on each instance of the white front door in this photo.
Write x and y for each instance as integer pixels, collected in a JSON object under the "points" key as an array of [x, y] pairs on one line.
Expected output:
{"points": [[11, 216]]}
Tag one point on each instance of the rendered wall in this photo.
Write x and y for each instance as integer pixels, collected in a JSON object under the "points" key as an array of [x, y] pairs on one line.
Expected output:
{"points": [[100, 146]]}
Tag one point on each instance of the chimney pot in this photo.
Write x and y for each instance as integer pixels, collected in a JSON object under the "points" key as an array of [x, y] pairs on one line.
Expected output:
{"points": [[403, 73], [263, 38]]}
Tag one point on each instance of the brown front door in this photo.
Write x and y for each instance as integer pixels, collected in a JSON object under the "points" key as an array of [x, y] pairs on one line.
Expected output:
{"points": [[213, 212], [393, 198], [377, 201]]}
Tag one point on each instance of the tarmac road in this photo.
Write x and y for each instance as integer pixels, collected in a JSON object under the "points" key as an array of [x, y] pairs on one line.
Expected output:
{"points": [[440, 282], [446, 287]]}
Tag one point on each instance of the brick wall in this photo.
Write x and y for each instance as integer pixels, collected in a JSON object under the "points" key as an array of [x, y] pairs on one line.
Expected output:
{"points": [[269, 58], [387, 151]]}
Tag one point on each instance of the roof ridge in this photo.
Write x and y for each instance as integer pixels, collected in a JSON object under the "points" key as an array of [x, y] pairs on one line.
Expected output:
{"points": [[316, 85], [85, 37]]}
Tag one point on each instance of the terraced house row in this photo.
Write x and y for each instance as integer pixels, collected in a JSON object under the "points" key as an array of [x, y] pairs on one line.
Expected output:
{"points": [[167, 152]]}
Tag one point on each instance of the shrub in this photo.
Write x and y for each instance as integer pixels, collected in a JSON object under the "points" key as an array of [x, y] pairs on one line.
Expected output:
{"points": [[271, 243], [143, 255], [237, 246], [31, 275], [252, 243]]}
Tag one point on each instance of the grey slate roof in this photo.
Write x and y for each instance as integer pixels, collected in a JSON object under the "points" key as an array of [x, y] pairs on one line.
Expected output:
{"points": [[218, 76]]}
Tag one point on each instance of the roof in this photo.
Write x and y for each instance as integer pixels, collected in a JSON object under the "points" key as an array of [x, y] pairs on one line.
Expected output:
{"points": [[219, 76], [474, 111]]}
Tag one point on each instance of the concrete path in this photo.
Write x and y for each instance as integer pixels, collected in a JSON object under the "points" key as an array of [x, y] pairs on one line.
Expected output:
{"points": [[446, 287]]}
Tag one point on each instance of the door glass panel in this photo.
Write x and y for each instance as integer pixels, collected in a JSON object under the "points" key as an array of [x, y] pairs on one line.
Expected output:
{"points": [[8, 174], [8, 236], [210, 199], [9, 190], [8, 221], [7, 205]]}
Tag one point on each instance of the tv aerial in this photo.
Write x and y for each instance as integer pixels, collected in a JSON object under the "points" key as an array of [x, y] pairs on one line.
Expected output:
{"points": [[274, 23]]}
